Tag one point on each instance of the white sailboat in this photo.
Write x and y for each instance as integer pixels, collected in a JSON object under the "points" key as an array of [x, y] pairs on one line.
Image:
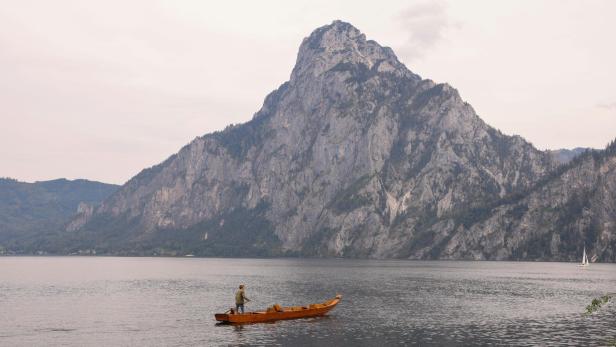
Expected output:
{"points": [[584, 259]]}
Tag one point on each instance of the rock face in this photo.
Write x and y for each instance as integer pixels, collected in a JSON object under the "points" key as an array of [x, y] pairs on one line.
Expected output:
{"points": [[84, 213], [354, 156], [29, 209], [574, 207]]}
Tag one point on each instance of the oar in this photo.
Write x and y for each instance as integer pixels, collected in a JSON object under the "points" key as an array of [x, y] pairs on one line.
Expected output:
{"points": [[246, 301]]}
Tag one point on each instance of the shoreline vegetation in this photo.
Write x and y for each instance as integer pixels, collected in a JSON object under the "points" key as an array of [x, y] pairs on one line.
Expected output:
{"points": [[597, 303]]}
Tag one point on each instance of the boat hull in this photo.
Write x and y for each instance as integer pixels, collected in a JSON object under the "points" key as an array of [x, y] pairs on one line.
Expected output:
{"points": [[286, 313]]}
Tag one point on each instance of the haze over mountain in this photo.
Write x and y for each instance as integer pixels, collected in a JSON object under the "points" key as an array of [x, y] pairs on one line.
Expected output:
{"points": [[30, 210], [565, 155], [355, 156]]}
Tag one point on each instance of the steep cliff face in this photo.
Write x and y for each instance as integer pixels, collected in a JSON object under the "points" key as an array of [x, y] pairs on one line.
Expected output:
{"points": [[572, 208], [354, 156]]}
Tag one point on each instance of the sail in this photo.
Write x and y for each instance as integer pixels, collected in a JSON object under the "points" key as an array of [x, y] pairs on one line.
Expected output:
{"points": [[585, 262]]}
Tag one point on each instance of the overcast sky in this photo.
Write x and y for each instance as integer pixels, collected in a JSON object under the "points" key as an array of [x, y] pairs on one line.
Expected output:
{"points": [[103, 89]]}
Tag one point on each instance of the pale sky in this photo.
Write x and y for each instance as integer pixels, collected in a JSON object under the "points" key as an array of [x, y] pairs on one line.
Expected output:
{"points": [[103, 89]]}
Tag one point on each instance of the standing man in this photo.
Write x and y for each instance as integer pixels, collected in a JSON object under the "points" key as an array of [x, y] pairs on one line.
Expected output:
{"points": [[240, 298]]}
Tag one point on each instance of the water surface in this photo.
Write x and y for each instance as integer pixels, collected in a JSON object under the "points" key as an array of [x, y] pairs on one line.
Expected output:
{"points": [[94, 301]]}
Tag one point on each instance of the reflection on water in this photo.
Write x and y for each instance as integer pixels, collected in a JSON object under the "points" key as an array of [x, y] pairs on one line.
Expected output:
{"points": [[171, 301]]}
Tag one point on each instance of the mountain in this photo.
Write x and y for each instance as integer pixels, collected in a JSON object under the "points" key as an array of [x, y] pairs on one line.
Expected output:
{"points": [[572, 208], [564, 155], [29, 209], [354, 156]]}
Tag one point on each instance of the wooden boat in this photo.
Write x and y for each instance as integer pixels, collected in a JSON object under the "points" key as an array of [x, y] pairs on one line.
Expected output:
{"points": [[277, 312]]}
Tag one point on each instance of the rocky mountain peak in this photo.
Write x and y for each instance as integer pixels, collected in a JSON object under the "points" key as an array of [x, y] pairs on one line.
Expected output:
{"points": [[354, 156], [335, 36], [342, 43]]}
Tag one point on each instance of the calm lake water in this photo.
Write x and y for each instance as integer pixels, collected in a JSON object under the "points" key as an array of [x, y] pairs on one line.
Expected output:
{"points": [[95, 301]]}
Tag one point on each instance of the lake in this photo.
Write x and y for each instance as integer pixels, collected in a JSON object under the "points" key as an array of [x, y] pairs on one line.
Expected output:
{"points": [[96, 301]]}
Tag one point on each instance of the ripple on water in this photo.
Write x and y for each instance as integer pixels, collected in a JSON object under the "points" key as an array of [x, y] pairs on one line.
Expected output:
{"points": [[167, 301]]}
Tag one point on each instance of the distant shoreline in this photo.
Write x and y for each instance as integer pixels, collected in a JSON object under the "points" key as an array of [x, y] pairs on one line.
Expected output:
{"points": [[271, 258]]}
